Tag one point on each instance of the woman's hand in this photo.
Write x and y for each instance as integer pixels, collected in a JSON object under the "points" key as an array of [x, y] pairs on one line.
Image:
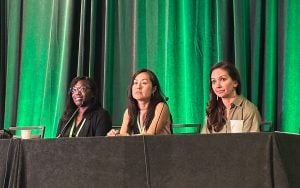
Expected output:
{"points": [[113, 132]]}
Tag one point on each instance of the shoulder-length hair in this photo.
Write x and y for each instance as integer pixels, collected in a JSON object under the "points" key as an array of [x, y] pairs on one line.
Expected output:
{"points": [[93, 104]]}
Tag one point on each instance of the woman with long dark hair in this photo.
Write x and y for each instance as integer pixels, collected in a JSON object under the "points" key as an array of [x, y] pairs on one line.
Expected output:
{"points": [[227, 108], [147, 111], [83, 115]]}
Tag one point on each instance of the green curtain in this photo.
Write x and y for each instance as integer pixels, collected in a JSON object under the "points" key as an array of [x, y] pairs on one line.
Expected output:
{"points": [[289, 72], [38, 56], [45, 43]]}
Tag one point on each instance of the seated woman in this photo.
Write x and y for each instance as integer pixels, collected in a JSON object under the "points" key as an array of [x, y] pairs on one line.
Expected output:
{"points": [[83, 115], [147, 111], [226, 103]]}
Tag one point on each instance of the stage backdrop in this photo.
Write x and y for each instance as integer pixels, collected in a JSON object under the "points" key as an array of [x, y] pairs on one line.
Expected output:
{"points": [[45, 43]]}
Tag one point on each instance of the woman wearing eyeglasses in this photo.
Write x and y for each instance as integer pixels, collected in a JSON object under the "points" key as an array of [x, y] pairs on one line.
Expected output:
{"points": [[83, 115]]}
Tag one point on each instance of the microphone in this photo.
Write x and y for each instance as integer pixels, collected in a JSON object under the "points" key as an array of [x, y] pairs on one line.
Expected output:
{"points": [[70, 119], [166, 99]]}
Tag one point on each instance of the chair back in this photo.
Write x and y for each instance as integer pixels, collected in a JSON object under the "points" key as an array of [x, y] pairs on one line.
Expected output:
{"points": [[116, 127], [189, 128], [35, 131], [266, 126]]}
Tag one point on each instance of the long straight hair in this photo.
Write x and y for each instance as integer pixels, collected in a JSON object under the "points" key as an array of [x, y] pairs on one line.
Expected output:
{"points": [[132, 105]]}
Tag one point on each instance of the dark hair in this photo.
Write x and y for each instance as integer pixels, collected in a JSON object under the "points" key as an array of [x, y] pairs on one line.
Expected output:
{"points": [[93, 103], [214, 111], [156, 98]]}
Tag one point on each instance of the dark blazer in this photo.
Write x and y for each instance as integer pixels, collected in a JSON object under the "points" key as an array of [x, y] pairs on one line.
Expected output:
{"points": [[97, 123]]}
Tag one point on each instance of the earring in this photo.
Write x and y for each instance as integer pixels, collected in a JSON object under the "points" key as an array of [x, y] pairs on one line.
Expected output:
{"points": [[217, 97]]}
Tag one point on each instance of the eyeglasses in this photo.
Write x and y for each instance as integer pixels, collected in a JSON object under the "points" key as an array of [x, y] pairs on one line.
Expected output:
{"points": [[79, 89]]}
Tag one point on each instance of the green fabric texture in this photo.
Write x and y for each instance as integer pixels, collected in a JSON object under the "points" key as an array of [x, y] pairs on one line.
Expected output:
{"points": [[51, 41]]}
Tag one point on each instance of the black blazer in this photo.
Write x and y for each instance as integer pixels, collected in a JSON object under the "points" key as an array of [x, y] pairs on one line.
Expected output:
{"points": [[97, 123]]}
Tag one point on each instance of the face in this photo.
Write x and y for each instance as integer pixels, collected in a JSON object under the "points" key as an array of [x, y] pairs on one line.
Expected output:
{"points": [[222, 84], [81, 93], [142, 88]]}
